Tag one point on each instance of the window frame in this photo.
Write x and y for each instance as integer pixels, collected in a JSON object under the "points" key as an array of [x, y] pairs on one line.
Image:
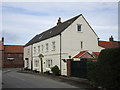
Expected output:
{"points": [[53, 46], [79, 27]]}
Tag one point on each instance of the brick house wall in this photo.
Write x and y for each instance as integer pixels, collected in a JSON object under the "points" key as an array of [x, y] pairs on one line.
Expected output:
{"points": [[13, 60]]}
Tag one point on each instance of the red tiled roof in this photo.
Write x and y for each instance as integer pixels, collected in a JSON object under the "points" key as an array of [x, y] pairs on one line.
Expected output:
{"points": [[96, 53], [80, 54], [107, 44], [13, 48]]}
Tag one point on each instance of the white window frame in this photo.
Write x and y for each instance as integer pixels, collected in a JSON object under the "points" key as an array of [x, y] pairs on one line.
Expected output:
{"points": [[38, 49], [53, 46], [42, 48], [36, 63], [79, 29], [49, 63], [81, 44], [34, 50], [47, 47]]}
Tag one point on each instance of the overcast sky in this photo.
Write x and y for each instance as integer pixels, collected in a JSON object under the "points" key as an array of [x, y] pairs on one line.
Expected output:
{"points": [[21, 21]]}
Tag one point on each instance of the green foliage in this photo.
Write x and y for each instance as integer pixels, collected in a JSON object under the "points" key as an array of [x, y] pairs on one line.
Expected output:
{"points": [[91, 72], [108, 68], [55, 70], [106, 71]]}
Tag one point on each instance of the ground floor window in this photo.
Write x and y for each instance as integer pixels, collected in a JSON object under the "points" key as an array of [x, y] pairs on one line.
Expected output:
{"points": [[27, 63], [36, 63], [48, 63]]}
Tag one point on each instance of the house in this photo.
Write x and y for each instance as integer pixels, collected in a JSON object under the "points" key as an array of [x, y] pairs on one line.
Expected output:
{"points": [[1, 52], [54, 46], [12, 56], [109, 44], [106, 44]]}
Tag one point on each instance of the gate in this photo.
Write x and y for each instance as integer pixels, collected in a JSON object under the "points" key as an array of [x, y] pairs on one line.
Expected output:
{"points": [[79, 69]]}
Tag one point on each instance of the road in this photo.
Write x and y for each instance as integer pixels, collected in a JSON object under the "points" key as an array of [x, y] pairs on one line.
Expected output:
{"points": [[14, 79]]}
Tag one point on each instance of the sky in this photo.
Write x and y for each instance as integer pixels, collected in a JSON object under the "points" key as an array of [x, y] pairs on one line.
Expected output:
{"points": [[21, 21]]}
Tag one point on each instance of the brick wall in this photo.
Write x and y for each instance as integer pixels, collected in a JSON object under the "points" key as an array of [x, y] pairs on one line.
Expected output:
{"points": [[17, 60]]}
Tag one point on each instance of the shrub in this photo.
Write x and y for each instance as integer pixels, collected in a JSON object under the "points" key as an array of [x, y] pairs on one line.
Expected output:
{"points": [[108, 69], [55, 70], [91, 72]]}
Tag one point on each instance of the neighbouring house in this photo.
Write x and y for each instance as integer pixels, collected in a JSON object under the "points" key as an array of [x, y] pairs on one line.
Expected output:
{"points": [[1, 52], [106, 44], [109, 44], [12, 56], [56, 45]]}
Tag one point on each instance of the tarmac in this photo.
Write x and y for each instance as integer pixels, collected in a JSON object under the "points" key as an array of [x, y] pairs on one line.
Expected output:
{"points": [[79, 82]]}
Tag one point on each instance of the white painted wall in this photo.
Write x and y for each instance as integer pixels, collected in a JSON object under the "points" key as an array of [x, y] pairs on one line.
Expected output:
{"points": [[71, 38], [28, 55], [48, 55], [70, 45]]}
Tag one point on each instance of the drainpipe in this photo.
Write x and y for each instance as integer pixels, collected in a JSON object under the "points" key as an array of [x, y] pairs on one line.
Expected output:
{"points": [[60, 53], [31, 58]]}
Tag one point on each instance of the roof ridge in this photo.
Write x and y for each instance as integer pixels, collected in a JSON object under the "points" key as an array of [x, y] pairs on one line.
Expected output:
{"points": [[56, 31]]}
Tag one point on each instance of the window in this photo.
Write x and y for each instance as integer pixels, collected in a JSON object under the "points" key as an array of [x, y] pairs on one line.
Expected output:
{"points": [[48, 63], [81, 44], [28, 51], [20, 55], [36, 63], [27, 63], [46, 46], [34, 50], [79, 27], [42, 48], [38, 48], [53, 46], [9, 55]]}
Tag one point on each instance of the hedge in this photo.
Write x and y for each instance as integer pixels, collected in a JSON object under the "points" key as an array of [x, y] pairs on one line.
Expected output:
{"points": [[106, 71]]}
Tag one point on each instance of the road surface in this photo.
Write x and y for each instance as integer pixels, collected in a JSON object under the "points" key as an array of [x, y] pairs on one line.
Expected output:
{"points": [[13, 79]]}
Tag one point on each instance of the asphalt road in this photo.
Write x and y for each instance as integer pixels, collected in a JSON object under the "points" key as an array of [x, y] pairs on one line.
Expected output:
{"points": [[13, 79]]}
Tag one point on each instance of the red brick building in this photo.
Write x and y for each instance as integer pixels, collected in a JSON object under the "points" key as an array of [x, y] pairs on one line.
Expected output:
{"points": [[12, 55]]}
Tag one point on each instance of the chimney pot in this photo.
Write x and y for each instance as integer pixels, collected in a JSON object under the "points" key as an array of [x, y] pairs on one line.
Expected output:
{"points": [[2, 39], [111, 39], [59, 21]]}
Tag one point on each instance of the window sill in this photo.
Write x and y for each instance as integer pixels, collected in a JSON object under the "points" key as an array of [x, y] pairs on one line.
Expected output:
{"points": [[52, 50]]}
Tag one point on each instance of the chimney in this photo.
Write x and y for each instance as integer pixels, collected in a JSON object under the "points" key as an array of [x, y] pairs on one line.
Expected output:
{"points": [[3, 39], [111, 39], [59, 21]]}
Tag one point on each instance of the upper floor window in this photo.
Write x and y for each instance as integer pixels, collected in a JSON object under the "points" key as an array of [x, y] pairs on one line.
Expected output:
{"points": [[28, 51], [34, 49], [38, 48], [53, 45], [42, 48], [79, 27], [46, 46], [81, 44]]}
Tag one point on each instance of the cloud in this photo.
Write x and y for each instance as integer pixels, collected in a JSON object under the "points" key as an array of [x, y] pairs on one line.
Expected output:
{"points": [[107, 28], [27, 19]]}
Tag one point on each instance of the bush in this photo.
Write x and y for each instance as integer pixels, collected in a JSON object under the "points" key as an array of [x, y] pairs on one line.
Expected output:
{"points": [[91, 72], [108, 69], [55, 70]]}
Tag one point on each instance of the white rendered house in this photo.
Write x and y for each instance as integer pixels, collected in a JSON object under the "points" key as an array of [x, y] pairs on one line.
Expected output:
{"points": [[58, 43]]}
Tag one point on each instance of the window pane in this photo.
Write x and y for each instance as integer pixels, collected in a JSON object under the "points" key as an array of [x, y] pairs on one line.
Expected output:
{"points": [[79, 27]]}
